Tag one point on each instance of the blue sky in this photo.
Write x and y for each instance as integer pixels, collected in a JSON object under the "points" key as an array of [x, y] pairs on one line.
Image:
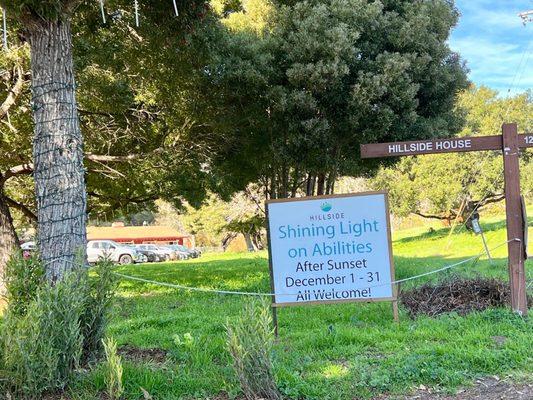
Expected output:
{"points": [[493, 40]]}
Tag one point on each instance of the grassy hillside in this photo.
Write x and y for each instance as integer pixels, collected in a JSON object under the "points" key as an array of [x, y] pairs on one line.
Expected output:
{"points": [[323, 352]]}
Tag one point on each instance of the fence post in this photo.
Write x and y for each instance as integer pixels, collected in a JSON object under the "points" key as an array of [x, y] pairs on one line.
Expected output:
{"points": [[514, 215]]}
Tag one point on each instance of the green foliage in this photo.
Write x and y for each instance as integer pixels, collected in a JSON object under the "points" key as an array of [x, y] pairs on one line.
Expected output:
{"points": [[250, 342], [442, 184], [47, 10], [22, 279], [309, 82], [365, 355], [193, 351], [99, 293], [15, 140], [208, 221], [146, 111], [43, 346], [113, 370], [217, 220], [50, 328]]}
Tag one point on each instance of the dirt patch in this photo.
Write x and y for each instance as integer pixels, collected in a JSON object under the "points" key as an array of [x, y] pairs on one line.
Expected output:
{"points": [[484, 389], [135, 354], [457, 295], [54, 396], [63, 396]]}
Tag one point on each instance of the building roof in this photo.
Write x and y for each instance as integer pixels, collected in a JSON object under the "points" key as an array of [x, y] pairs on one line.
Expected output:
{"points": [[150, 232]]}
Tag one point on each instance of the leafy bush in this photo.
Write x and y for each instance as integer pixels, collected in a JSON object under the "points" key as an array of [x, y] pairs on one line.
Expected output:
{"points": [[50, 328], [22, 278], [99, 294], [43, 346], [250, 342], [113, 369]]}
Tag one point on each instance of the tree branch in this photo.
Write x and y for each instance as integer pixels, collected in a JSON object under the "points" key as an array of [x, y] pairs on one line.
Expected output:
{"points": [[13, 93], [102, 158], [494, 199], [21, 207], [27, 168], [431, 216], [21, 169]]}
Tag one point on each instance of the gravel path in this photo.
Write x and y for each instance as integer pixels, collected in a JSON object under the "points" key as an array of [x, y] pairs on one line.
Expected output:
{"points": [[491, 388]]}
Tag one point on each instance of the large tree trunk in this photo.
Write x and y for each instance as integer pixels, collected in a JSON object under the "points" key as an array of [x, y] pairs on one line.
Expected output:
{"points": [[320, 185], [249, 242], [57, 148], [8, 237]]}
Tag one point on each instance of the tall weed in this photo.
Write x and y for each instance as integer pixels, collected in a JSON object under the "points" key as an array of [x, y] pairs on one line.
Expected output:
{"points": [[113, 369], [250, 342], [99, 294]]}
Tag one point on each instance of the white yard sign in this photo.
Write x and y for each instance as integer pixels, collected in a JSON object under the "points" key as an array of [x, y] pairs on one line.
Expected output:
{"points": [[330, 249]]}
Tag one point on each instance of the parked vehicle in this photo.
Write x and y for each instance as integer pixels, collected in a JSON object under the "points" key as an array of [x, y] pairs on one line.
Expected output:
{"points": [[116, 252], [190, 253], [149, 254], [27, 249], [196, 252], [162, 253], [28, 246], [182, 254]]}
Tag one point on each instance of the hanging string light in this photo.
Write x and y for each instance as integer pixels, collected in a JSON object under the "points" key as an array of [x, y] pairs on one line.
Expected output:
{"points": [[102, 10], [136, 5], [176, 8], [4, 29]]}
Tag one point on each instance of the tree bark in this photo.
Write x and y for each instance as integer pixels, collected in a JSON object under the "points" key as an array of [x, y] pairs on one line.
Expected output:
{"points": [[57, 148], [310, 189], [321, 180], [8, 238], [13, 93], [284, 190], [249, 243]]}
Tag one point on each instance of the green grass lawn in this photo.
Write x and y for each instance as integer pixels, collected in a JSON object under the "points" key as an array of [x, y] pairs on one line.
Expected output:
{"points": [[323, 352]]}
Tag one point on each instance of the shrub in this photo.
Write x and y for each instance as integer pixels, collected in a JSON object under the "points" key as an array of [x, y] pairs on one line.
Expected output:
{"points": [[99, 294], [250, 342], [113, 369], [22, 278], [43, 346], [50, 328]]}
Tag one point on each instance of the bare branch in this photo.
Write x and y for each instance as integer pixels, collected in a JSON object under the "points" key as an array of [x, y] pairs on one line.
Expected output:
{"points": [[494, 199], [22, 169], [21, 207], [431, 216], [27, 168], [134, 33], [102, 158], [13, 93]]}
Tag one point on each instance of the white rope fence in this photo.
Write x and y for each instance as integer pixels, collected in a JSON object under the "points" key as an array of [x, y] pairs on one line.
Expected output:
{"points": [[217, 291]]}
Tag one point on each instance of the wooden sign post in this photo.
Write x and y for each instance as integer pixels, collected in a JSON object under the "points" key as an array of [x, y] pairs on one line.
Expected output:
{"points": [[510, 142]]}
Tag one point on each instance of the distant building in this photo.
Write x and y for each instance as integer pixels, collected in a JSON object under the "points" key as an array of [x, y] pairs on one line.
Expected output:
{"points": [[139, 234]]}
